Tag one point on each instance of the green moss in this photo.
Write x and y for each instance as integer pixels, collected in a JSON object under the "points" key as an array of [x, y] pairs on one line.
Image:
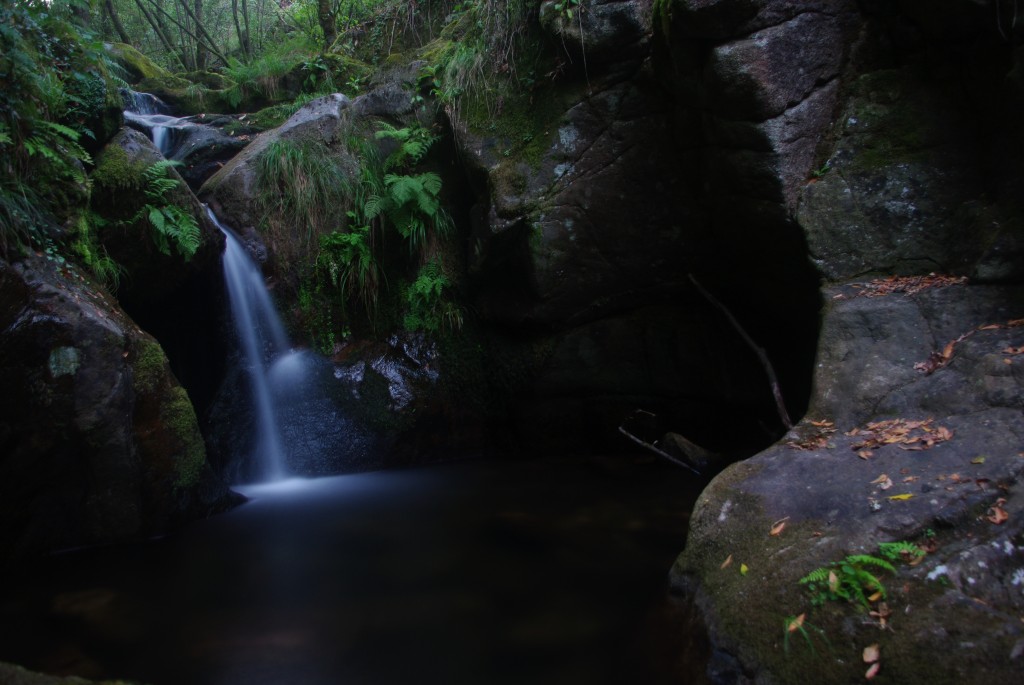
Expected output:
{"points": [[136, 64], [271, 117], [179, 417], [894, 119], [115, 171], [150, 367]]}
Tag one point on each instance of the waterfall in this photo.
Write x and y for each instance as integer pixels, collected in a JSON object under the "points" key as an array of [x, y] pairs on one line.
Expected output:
{"points": [[149, 113], [266, 349]]}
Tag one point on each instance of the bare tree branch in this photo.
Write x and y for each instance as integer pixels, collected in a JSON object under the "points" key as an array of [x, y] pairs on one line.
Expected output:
{"points": [[780, 405]]}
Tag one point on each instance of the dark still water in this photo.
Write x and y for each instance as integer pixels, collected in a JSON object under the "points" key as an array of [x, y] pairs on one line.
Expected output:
{"points": [[477, 572]]}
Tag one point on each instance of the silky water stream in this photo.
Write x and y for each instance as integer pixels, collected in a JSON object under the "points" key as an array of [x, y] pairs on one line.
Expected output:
{"points": [[479, 572]]}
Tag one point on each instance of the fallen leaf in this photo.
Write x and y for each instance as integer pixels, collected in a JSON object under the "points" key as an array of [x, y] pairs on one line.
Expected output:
{"points": [[882, 612], [778, 527], [947, 351], [997, 514], [872, 653], [883, 482], [865, 454], [796, 623], [875, 597], [911, 479], [725, 564], [978, 460], [873, 670], [833, 581], [743, 569], [1014, 350], [903, 497], [944, 433], [1008, 362]]}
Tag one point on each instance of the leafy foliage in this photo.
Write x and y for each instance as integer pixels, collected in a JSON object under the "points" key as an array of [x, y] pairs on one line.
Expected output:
{"points": [[172, 225], [52, 83]]}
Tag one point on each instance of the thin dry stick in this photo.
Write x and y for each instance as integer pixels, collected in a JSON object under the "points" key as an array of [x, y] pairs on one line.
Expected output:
{"points": [[655, 450], [660, 453], [780, 405]]}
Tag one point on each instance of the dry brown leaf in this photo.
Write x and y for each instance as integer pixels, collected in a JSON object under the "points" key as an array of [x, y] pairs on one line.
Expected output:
{"points": [[882, 612], [872, 653], [884, 482], [833, 581], [725, 564], [778, 527], [873, 670], [865, 454], [1014, 350], [997, 514], [795, 624], [875, 597]]}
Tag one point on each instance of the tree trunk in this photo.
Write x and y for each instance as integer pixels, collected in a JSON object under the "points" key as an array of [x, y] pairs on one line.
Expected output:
{"points": [[161, 36], [202, 56], [327, 23], [115, 19]]}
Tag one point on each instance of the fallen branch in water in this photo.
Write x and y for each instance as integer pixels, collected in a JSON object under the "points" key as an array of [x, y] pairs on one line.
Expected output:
{"points": [[699, 453], [780, 405]]}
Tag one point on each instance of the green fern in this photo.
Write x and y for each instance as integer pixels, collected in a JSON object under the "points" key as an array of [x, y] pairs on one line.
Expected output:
{"points": [[413, 144], [172, 226], [429, 307], [854, 578], [900, 550], [347, 260]]}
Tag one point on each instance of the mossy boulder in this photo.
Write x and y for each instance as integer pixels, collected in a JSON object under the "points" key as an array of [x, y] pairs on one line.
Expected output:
{"points": [[119, 187], [137, 65], [98, 440]]}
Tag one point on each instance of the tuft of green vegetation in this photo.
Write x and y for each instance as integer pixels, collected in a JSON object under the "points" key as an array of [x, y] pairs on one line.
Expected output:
{"points": [[303, 184], [855, 579]]}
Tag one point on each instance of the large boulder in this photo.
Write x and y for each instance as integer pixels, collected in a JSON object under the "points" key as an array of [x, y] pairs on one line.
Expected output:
{"points": [[889, 452], [99, 442]]}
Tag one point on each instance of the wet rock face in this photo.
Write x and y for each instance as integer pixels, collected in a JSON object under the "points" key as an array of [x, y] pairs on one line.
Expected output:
{"points": [[99, 443]]}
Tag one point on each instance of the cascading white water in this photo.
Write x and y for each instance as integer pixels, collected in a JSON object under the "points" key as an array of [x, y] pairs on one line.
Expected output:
{"points": [[265, 346], [149, 112]]}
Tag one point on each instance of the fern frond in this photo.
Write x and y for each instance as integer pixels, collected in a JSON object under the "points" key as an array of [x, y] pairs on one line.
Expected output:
{"points": [[869, 560], [818, 575], [901, 549]]}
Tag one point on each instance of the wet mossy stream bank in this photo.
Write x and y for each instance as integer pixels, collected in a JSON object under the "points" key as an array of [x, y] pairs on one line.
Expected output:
{"points": [[474, 572]]}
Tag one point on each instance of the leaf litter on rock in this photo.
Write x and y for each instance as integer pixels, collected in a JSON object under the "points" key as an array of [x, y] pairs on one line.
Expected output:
{"points": [[907, 435], [815, 438], [938, 360], [907, 285]]}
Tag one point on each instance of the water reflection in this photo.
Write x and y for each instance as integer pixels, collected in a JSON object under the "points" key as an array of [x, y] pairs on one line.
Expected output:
{"points": [[466, 573]]}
